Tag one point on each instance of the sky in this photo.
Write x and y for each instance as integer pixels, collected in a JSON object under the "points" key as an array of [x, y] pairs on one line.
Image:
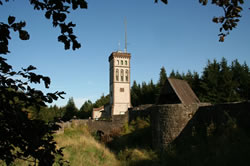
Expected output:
{"points": [[178, 36]]}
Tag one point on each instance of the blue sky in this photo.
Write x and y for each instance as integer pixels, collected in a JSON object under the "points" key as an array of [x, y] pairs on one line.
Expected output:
{"points": [[179, 36]]}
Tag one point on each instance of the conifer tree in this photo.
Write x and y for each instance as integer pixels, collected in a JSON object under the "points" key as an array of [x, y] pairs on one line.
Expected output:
{"points": [[163, 77], [70, 110]]}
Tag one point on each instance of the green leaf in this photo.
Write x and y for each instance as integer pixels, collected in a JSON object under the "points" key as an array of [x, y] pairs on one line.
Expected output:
{"points": [[48, 14], [31, 68], [11, 20], [46, 81], [165, 1], [83, 4], [24, 35], [62, 17], [215, 20]]}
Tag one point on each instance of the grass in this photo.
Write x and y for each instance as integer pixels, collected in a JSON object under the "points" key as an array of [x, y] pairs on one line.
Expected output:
{"points": [[133, 146], [82, 149], [226, 144]]}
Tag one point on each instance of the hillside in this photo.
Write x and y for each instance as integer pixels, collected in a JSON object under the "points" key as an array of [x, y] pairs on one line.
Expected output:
{"points": [[82, 149]]}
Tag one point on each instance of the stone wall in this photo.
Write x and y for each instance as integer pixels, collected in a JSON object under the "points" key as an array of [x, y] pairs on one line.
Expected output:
{"points": [[173, 122], [218, 116], [105, 126], [167, 122], [142, 111]]}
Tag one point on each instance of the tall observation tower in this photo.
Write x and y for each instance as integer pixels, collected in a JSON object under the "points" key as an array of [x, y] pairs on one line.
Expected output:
{"points": [[119, 86]]}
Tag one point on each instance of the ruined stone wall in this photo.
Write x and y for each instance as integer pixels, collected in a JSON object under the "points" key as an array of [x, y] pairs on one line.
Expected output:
{"points": [[173, 122], [142, 111], [106, 126], [167, 122]]}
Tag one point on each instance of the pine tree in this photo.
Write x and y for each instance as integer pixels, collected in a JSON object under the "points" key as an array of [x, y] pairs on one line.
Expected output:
{"points": [[172, 74], [85, 110], [210, 82], [163, 78], [135, 94], [225, 87], [70, 110]]}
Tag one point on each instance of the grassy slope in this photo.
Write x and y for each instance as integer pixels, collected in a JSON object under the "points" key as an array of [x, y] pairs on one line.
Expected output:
{"points": [[82, 149], [226, 144], [133, 146]]}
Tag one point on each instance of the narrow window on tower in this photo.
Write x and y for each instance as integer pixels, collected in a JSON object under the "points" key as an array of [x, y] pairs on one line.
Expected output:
{"points": [[122, 74], [121, 62], [117, 62], [126, 63], [126, 75], [117, 74]]}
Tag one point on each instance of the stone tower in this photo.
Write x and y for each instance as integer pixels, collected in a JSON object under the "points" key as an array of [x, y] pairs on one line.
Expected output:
{"points": [[119, 85]]}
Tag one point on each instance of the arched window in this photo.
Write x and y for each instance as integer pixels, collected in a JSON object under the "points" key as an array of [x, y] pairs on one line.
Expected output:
{"points": [[121, 62], [117, 62], [117, 74], [122, 74], [126, 75], [126, 63]]}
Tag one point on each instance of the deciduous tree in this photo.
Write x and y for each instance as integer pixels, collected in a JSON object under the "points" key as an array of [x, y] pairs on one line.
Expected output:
{"points": [[22, 137]]}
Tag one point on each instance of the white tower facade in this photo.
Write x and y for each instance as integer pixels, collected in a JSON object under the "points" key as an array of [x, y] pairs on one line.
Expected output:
{"points": [[120, 99]]}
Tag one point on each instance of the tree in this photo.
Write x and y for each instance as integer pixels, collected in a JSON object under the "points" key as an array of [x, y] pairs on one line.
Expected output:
{"points": [[102, 101], [232, 10], [135, 94], [172, 74], [163, 77], [196, 85], [70, 110], [226, 82], [210, 82], [86, 110], [24, 138], [223, 83], [241, 79], [55, 10]]}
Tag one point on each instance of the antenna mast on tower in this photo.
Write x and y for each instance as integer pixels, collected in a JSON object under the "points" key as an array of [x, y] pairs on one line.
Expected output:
{"points": [[125, 23]]}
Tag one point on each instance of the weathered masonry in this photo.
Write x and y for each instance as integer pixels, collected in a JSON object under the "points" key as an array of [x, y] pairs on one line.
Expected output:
{"points": [[119, 86], [173, 122]]}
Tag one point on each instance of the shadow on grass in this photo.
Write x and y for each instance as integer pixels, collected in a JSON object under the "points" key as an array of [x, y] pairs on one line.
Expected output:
{"points": [[140, 138]]}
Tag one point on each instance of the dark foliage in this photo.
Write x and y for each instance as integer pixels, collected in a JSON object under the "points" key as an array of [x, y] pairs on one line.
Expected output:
{"points": [[86, 110], [102, 101], [137, 134], [67, 112], [144, 93], [70, 110], [218, 83], [57, 11], [22, 137]]}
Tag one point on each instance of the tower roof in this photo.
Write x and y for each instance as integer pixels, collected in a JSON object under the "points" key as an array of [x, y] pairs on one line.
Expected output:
{"points": [[119, 54]]}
